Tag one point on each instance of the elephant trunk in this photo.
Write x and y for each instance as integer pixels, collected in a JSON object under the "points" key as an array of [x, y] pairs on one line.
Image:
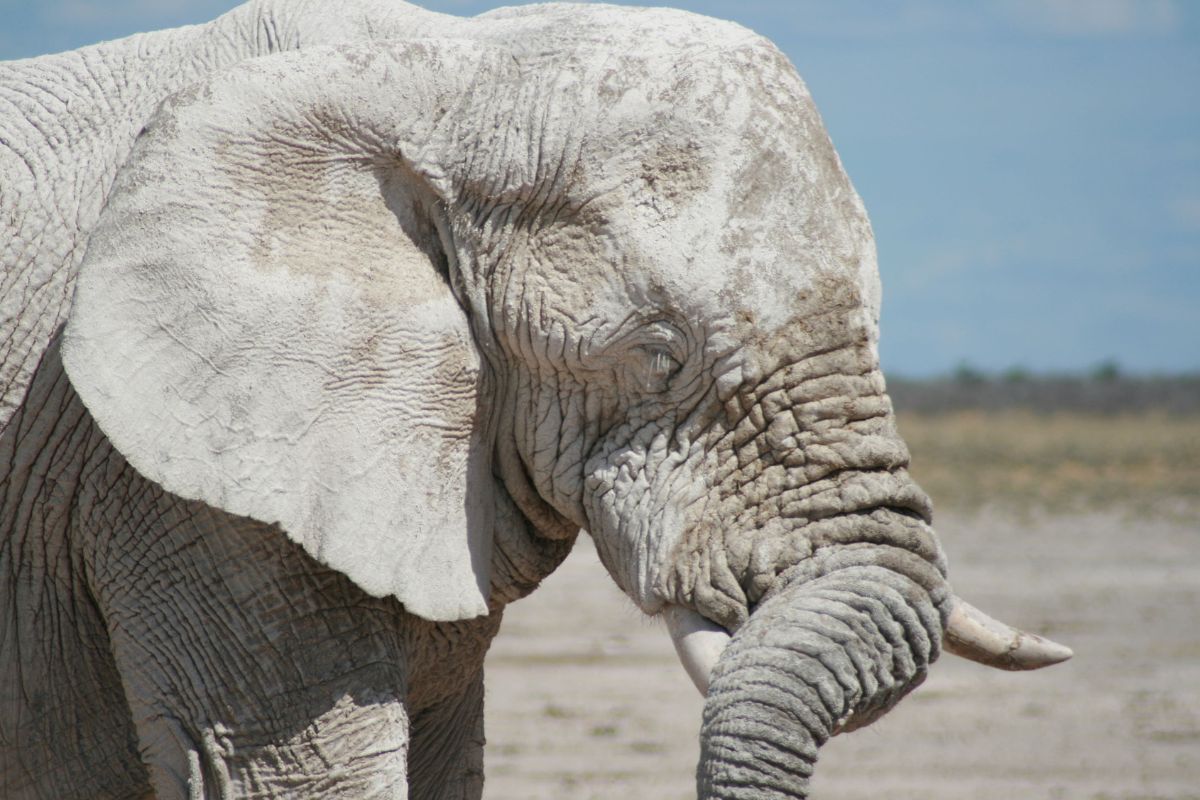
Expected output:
{"points": [[820, 559], [815, 658], [822, 655]]}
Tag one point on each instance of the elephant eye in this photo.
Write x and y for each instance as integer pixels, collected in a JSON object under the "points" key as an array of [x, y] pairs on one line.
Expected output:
{"points": [[659, 367]]}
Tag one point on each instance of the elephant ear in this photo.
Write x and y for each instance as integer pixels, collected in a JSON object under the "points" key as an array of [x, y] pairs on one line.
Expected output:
{"points": [[263, 320]]}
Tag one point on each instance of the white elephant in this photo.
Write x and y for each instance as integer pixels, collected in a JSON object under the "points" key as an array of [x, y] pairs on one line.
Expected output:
{"points": [[373, 310]]}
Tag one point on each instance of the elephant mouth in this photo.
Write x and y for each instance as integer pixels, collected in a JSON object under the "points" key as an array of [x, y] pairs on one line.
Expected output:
{"points": [[780, 534]]}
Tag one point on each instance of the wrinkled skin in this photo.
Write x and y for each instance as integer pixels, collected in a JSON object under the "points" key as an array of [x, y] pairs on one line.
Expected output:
{"points": [[363, 335]]}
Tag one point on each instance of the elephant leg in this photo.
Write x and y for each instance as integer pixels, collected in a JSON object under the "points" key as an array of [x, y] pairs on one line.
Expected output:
{"points": [[65, 728], [446, 751], [250, 669]]}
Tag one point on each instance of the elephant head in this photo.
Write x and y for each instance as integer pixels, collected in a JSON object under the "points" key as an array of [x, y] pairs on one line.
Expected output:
{"points": [[573, 269]]}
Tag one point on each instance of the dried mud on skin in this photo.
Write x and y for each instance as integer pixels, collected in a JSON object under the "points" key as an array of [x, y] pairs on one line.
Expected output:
{"points": [[586, 700]]}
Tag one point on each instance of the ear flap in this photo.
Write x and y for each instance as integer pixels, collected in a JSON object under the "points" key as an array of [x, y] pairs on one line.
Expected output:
{"points": [[263, 320]]}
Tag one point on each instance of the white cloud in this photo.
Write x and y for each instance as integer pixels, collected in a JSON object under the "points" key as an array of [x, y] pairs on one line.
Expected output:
{"points": [[1096, 17]]}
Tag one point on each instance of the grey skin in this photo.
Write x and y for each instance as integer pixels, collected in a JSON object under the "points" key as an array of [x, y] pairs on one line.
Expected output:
{"points": [[362, 335]]}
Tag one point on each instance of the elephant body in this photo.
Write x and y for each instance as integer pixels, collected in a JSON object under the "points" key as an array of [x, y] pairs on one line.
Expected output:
{"points": [[327, 327], [159, 646], [262, 680]]}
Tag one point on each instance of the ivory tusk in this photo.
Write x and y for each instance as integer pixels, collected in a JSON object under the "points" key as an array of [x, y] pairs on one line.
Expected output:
{"points": [[698, 641], [974, 635]]}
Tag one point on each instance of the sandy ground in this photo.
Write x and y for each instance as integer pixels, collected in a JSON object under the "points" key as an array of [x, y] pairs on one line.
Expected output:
{"points": [[586, 700]]}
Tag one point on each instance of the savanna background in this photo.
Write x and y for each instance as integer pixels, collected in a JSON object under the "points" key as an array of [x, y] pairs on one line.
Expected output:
{"points": [[1032, 170]]}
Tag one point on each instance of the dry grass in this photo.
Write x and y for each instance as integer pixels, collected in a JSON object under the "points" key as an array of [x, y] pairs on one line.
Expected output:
{"points": [[1020, 460]]}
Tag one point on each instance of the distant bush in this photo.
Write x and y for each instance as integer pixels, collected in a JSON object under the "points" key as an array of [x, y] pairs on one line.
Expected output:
{"points": [[1105, 390], [1107, 370], [1015, 375], [967, 375]]}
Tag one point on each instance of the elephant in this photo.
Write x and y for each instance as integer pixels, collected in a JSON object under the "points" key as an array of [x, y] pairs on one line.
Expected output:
{"points": [[328, 327]]}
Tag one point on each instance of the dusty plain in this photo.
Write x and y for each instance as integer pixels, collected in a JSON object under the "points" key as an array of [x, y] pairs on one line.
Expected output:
{"points": [[1082, 527]]}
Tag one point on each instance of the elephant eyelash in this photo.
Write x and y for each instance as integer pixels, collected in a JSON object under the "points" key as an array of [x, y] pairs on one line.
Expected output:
{"points": [[659, 367], [662, 363], [652, 355]]}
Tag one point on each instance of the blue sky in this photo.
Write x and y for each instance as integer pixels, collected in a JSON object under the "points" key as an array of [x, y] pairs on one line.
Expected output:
{"points": [[1031, 167]]}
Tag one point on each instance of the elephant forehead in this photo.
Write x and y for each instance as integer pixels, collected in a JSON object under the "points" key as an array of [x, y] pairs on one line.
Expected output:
{"points": [[764, 232], [726, 195], [699, 177], [757, 291]]}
